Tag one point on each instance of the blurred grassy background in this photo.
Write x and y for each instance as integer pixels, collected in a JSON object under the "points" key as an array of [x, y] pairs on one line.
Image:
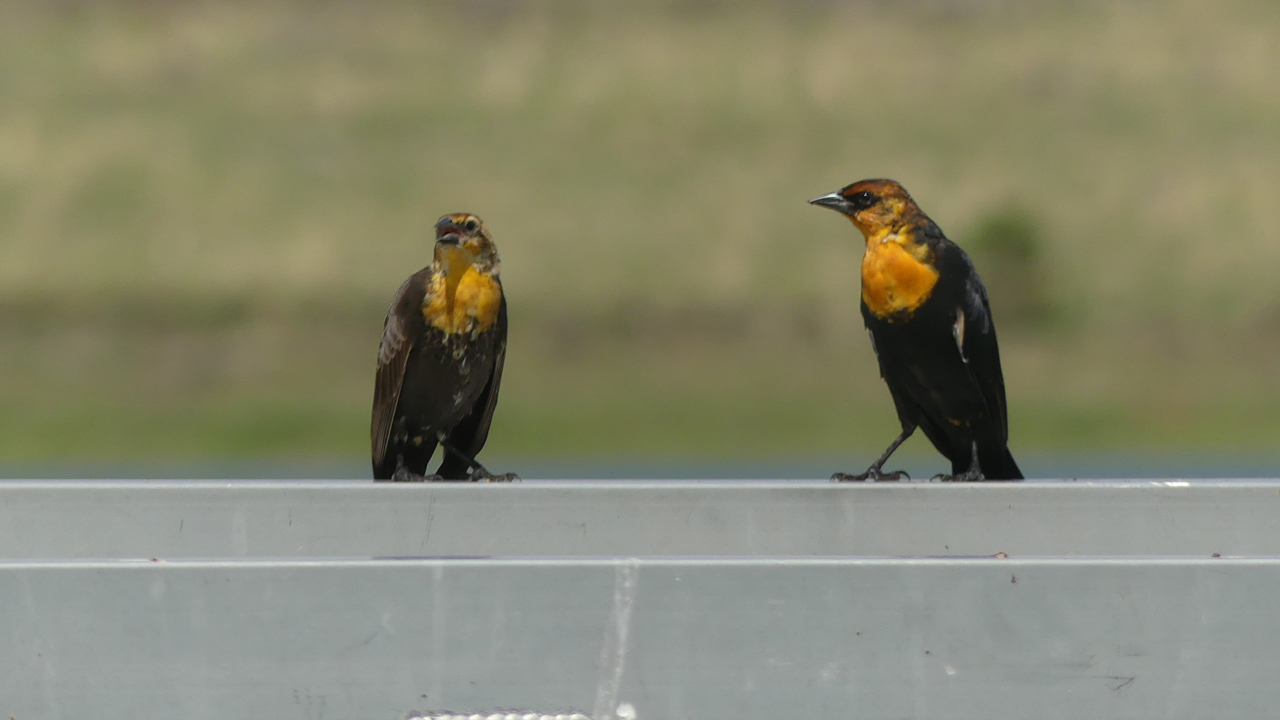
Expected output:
{"points": [[205, 207]]}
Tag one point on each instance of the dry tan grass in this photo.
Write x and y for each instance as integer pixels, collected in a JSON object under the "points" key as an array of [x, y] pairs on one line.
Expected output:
{"points": [[643, 152]]}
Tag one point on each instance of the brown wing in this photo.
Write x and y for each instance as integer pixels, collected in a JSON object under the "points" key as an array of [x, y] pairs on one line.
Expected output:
{"points": [[393, 355]]}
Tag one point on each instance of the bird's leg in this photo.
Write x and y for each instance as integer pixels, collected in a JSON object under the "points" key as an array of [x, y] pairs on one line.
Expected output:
{"points": [[403, 474], [873, 473], [973, 474], [479, 474]]}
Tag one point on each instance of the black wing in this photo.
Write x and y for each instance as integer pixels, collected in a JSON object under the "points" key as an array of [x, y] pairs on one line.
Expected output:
{"points": [[891, 369], [393, 355], [982, 351]]}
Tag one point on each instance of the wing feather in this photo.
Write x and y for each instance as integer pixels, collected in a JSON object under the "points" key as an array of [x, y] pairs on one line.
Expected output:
{"points": [[393, 356], [982, 350]]}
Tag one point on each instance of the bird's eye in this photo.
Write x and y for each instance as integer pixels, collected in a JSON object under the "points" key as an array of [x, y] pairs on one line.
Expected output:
{"points": [[864, 200], [471, 225]]}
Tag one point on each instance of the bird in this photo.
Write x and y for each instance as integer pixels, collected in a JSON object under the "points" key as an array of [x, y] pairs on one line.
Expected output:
{"points": [[440, 360], [927, 313]]}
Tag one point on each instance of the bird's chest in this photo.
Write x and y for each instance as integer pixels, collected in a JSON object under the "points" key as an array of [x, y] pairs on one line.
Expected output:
{"points": [[462, 303], [896, 279]]}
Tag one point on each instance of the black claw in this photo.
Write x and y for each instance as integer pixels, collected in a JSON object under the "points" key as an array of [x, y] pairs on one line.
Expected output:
{"points": [[403, 475], [966, 476], [872, 474], [482, 475]]}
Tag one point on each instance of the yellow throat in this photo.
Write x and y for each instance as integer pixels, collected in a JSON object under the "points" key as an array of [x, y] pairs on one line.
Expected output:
{"points": [[897, 273], [460, 296]]}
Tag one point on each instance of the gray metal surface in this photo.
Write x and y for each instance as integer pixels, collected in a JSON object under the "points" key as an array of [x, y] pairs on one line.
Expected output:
{"points": [[640, 601], [194, 519], [711, 639]]}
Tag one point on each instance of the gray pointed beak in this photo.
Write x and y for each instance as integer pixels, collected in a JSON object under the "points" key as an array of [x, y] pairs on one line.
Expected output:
{"points": [[449, 239], [834, 201]]}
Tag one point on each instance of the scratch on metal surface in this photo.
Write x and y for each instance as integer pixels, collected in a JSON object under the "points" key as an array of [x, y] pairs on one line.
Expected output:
{"points": [[364, 642], [431, 516], [613, 648], [1125, 678]]}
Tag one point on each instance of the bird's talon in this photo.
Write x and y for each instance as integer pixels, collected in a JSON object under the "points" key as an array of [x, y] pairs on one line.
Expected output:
{"points": [[966, 476], [871, 475], [484, 476], [403, 475], [867, 476]]}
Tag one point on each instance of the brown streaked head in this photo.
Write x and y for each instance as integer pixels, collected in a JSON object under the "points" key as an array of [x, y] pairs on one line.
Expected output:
{"points": [[462, 237], [877, 207]]}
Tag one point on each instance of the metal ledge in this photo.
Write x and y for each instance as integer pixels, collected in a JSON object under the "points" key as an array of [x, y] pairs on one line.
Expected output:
{"points": [[194, 519], [707, 639]]}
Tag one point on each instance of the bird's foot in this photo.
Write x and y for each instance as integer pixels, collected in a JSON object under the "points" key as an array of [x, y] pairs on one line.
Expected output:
{"points": [[482, 475], [970, 475], [973, 474], [403, 475], [872, 474]]}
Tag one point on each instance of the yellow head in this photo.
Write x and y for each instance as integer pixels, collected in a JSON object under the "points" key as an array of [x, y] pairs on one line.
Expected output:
{"points": [[462, 241], [463, 294]]}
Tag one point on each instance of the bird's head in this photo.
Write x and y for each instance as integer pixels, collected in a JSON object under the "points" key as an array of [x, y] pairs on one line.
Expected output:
{"points": [[462, 241], [877, 207]]}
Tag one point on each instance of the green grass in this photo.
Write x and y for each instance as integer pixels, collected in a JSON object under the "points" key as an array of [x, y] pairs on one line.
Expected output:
{"points": [[287, 383], [205, 206]]}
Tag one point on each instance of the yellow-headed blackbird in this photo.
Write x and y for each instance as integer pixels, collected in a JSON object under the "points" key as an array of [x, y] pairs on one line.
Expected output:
{"points": [[440, 361], [931, 329]]}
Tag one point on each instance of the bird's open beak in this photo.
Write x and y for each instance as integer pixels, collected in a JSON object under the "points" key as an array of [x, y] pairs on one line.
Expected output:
{"points": [[834, 201], [448, 232]]}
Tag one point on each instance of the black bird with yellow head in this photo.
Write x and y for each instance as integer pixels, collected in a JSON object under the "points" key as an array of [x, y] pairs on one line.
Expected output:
{"points": [[440, 361], [930, 324]]}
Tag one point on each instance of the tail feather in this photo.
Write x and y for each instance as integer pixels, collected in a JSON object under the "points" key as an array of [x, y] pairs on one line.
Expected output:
{"points": [[999, 465]]}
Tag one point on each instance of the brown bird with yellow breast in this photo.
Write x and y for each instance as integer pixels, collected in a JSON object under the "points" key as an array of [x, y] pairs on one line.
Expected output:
{"points": [[440, 361], [930, 324]]}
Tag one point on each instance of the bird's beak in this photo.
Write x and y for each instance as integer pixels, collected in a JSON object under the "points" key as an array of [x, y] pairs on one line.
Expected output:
{"points": [[835, 201], [448, 232]]}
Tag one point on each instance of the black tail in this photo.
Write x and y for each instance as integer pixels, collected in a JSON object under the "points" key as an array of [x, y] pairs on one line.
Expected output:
{"points": [[999, 465]]}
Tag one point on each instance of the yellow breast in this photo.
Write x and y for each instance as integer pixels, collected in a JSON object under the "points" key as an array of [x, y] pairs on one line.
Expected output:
{"points": [[896, 279], [465, 302]]}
